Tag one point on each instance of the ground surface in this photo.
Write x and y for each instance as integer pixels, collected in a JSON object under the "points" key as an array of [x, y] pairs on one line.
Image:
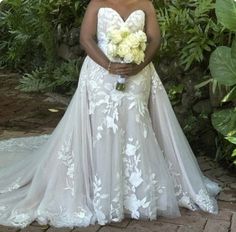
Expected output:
{"points": [[28, 114]]}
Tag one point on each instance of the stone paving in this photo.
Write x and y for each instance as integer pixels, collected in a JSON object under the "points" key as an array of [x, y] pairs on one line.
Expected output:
{"points": [[28, 114]]}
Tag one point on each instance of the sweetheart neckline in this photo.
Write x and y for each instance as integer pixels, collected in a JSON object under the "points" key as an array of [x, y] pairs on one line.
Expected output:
{"points": [[123, 20]]}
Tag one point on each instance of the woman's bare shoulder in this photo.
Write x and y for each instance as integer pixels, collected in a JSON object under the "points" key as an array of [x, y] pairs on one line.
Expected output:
{"points": [[95, 4], [147, 5]]}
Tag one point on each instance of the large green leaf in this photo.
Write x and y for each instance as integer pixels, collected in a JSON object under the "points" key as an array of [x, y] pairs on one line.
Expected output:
{"points": [[231, 95], [233, 51], [226, 13], [222, 66], [231, 139], [224, 121], [234, 155]]}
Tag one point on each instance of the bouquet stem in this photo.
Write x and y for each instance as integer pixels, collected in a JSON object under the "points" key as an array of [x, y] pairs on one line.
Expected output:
{"points": [[120, 85]]}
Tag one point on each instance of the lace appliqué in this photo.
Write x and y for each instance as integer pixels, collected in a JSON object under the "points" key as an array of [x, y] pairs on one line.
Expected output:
{"points": [[156, 85], [202, 199], [66, 154], [116, 212], [97, 201], [23, 143], [133, 178], [2, 209], [12, 187], [63, 218], [153, 191], [206, 202], [20, 219]]}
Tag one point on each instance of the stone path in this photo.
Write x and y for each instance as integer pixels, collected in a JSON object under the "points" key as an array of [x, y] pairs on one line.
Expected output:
{"points": [[27, 114]]}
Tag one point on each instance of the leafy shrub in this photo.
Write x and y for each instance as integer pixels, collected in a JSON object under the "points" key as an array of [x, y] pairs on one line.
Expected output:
{"points": [[223, 70], [189, 30], [63, 78], [29, 29], [27, 33]]}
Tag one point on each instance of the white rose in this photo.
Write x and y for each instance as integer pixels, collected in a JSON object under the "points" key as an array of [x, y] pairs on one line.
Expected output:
{"points": [[131, 202], [124, 31], [141, 36], [138, 56], [133, 41], [128, 58], [143, 46], [135, 179], [130, 149], [112, 50], [123, 49], [115, 36]]}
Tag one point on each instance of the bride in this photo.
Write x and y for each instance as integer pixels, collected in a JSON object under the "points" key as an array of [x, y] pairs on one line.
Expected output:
{"points": [[114, 154]]}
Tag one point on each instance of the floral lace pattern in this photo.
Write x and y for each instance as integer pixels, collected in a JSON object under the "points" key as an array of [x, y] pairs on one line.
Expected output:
{"points": [[133, 178], [66, 154], [32, 143], [13, 186]]}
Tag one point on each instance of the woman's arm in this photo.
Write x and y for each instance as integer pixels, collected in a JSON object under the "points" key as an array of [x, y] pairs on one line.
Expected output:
{"points": [[88, 40], [152, 30], [88, 36]]}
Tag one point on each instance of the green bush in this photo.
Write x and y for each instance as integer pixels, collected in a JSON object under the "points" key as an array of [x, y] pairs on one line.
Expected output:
{"points": [[223, 70], [27, 33], [29, 29], [63, 78], [189, 31]]}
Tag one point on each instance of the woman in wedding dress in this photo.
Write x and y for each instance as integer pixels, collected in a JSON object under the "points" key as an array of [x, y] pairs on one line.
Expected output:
{"points": [[114, 154]]}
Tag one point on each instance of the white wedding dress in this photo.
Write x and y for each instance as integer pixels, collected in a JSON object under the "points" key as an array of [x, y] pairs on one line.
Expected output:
{"points": [[113, 155]]}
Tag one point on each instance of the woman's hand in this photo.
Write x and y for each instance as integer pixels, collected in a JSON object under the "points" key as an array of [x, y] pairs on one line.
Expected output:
{"points": [[125, 69]]}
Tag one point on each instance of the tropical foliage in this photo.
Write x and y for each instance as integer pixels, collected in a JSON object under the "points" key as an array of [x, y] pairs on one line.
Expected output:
{"points": [[29, 29], [223, 70], [189, 31]]}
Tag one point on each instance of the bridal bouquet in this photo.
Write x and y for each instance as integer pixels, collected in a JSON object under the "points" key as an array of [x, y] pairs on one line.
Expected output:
{"points": [[126, 45]]}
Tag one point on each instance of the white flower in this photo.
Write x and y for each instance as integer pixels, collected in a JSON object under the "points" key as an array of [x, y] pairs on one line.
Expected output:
{"points": [[81, 213], [125, 31], [70, 170], [123, 49], [132, 203], [138, 55], [143, 46], [135, 179], [101, 217], [112, 50], [111, 124], [133, 41], [130, 149], [115, 36], [126, 45], [128, 58], [141, 36]]}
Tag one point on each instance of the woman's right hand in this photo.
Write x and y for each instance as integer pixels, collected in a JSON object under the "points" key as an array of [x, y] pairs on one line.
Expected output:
{"points": [[120, 68]]}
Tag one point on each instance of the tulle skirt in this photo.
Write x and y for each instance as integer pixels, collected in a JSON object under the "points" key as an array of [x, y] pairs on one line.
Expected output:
{"points": [[114, 154]]}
